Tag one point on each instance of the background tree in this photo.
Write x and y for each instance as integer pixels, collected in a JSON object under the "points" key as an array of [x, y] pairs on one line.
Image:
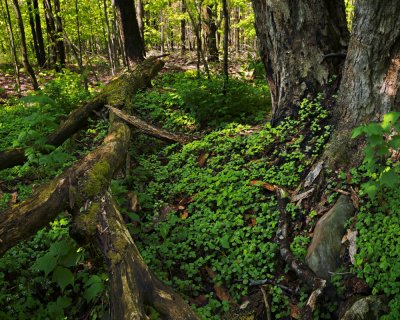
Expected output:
{"points": [[133, 42], [24, 48]]}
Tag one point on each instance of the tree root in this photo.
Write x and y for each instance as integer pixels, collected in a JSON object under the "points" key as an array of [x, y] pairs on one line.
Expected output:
{"points": [[305, 274], [150, 129]]}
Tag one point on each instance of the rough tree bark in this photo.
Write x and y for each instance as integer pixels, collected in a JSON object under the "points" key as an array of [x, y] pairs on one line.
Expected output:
{"points": [[303, 43], [297, 40], [83, 191], [371, 76]]}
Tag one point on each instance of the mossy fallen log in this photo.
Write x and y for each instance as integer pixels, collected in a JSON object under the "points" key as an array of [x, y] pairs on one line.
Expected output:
{"points": [[119, 92], [76, 184], [83, 190]]}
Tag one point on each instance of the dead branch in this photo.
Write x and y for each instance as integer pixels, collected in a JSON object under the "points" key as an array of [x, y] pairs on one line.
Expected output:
{"points": [[150, 129], [305, 274], [132, 284], [118, 92]]}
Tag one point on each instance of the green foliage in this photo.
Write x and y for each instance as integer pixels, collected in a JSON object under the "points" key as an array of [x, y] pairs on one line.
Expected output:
{"points": [[381, 140], [378, 220], [182, 101], [299, 246], [198, 216], [46, 278]]}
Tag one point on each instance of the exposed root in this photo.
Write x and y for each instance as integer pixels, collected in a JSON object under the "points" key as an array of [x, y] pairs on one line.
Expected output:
{"points": [[305, 274]]}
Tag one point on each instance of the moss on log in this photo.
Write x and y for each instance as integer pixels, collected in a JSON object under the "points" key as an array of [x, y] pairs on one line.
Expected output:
{"points": [[83, 191], [119, 92]]}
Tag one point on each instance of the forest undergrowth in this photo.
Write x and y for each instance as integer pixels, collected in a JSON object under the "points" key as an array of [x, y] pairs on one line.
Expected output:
{"points": [[204, 215]]}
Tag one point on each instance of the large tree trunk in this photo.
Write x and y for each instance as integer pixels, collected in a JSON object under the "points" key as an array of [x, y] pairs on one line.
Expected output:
{"points": [[301, 45], [133, 41], [371, 77]]}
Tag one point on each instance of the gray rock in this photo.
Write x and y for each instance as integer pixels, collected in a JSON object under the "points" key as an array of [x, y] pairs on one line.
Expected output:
{"points": [[324, 251], [367, 308]]}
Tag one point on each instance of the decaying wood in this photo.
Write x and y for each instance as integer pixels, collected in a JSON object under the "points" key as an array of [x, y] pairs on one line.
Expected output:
{"points": [[82, 190], [305, 274], [150, 129], [23, 220], [132, 284], [119, 91]]}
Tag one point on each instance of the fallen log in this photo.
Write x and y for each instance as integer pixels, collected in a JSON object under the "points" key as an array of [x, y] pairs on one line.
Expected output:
{"points": [[132, 284], [120, 91], [82, 190], [23, 220], [150, 129], [305, 274]]}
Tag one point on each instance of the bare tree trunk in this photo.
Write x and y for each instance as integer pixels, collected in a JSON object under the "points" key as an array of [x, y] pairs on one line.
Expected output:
{"points": [[211, 33], [110, 40], [226, 43], [33, 31], [183, 28], [24, 48], [133, 41], [140, 15], [59, 34], [12, 45], [296, 41], [51, 31], [39, 33], [237, 31]]}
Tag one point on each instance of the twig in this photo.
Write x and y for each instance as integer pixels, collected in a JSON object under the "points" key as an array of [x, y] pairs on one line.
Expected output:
{"points": [[267, 307], [269, 281]]}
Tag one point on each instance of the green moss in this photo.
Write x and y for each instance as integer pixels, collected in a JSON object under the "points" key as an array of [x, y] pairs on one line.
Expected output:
{"points": [[114, 257], [87, 222], [97, 178]]}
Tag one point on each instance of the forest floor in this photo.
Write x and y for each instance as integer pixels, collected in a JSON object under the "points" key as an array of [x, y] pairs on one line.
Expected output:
{"points": [[204, 216]]}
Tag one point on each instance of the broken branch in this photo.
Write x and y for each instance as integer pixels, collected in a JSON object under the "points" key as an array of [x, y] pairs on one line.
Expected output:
{"points": [[150, 129]]}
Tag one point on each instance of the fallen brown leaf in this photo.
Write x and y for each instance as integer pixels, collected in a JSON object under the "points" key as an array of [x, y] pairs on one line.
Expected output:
{"points": [[294, 311], [202, 159], [264, 185], [184, 215]]}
